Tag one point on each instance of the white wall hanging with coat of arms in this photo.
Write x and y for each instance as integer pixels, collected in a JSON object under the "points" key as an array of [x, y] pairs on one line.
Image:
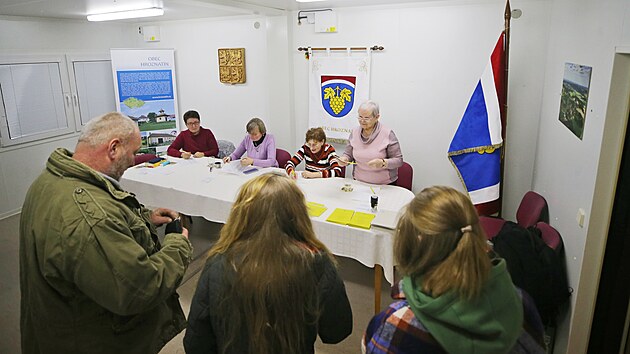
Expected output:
{"points": [[339, 82]]}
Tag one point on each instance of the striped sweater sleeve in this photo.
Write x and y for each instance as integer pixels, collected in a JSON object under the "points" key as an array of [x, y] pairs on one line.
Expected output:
{"points": [[295, 160]]}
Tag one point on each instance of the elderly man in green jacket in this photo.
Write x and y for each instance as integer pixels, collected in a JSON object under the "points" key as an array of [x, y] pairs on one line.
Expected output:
{"points": [[94, 277]]}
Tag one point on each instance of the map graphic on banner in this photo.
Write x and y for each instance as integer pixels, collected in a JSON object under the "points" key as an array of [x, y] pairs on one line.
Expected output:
{"points": [[338, 84], [145, 91]]}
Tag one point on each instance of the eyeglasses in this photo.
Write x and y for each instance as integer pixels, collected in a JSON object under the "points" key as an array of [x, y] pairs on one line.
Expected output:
{"points": [[364, 119], [193, 123]]}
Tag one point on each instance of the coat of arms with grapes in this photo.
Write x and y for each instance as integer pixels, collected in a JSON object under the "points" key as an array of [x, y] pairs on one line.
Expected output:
{"points": [[338, 94]]}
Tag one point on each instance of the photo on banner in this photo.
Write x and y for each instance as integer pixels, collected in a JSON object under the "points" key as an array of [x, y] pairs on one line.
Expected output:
{"points": [[339, 81], [144, 82]]}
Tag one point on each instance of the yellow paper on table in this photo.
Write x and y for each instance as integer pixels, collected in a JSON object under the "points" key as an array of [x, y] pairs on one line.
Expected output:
{"points": [[341, 216], [362, 220], [315, 209]]}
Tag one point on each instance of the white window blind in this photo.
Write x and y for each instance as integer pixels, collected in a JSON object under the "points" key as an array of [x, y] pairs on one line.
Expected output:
{"points": [[33, 102], [94, 88]]}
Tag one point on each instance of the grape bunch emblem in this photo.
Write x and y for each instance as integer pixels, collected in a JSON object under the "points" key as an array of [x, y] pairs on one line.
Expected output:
{"points": [[337, 98]]}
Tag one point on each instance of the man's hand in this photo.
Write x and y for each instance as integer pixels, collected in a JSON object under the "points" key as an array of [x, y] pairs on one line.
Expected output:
{"points": [[246, 161], [186, 155], [160, 216], [199, 154]]}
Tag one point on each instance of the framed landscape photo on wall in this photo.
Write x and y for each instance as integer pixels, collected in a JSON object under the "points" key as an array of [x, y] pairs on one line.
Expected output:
{"points": [[574, 98]]}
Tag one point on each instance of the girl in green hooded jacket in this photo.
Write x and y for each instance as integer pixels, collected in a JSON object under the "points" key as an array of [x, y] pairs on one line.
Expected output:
{"points": [[455, 295]]}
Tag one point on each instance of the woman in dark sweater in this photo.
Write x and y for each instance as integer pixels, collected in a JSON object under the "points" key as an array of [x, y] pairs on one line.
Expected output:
{"points": [[269, 285]]}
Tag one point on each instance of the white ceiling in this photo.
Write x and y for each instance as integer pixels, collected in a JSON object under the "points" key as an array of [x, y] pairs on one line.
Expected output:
{"points": [[174, 9]]}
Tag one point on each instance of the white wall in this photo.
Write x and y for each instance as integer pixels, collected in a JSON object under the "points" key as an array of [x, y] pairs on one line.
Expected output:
{"points": [[225, 109], [584, 32], [434, 55], [21, 164]]}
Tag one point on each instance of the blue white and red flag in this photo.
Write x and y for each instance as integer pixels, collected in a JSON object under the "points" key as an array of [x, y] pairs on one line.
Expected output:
{"points": [[475, 150]]}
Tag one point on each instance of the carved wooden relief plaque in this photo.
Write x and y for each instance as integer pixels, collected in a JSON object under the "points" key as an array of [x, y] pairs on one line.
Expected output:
{"points": [[232, 65]]}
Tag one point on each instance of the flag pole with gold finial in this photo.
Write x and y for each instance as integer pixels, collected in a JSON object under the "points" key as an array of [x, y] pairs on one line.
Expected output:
{"points": [[504, 105]]}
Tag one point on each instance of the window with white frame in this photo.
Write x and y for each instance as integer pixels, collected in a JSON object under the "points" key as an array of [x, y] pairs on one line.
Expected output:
{"points": [[46, 96], [34, 101], [92, 87]]}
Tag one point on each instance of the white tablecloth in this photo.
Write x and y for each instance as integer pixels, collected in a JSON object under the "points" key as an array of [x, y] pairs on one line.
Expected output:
{"points": [[189, 186]]}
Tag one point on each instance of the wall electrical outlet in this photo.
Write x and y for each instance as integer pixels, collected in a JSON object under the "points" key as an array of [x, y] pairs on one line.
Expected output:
{"points": [[581, 214]]}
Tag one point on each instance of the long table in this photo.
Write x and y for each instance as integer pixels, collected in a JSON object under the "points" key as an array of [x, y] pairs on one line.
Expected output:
{"points": [[192, 188]]}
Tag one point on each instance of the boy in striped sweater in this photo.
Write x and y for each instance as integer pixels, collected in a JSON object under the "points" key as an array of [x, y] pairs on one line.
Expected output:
{"points": [[320, 158]]}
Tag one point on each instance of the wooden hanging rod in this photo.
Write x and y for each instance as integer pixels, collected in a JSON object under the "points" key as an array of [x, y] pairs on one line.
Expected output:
{"points": [[376, 47]]}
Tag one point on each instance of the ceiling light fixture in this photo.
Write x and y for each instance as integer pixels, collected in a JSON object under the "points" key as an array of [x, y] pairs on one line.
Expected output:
{"points": [[121, 15]]}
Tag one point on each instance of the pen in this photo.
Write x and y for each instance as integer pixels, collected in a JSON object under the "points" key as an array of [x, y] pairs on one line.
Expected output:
{"points": [[372, 189]]}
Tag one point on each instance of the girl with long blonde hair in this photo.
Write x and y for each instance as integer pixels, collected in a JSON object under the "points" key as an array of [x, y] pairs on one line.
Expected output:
{"points": [[269, 285]]}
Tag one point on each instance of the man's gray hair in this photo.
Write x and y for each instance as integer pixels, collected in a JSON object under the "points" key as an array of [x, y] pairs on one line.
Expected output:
{"points": [[102, 129], [370, 106]]}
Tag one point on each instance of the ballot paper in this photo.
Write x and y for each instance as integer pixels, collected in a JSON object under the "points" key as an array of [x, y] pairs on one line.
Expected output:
{"points": [[235, 167], [386, 218]]}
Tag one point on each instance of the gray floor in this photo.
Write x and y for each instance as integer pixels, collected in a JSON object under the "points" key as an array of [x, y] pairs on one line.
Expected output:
{"points": [[358, 280]]}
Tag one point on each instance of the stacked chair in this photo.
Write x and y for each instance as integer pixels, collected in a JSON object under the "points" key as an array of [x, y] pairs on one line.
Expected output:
{"points": [[532, 209], [534, 253]]}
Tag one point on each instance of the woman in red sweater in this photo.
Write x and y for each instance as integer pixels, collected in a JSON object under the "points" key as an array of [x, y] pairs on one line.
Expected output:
{"points": [[196, 141]]}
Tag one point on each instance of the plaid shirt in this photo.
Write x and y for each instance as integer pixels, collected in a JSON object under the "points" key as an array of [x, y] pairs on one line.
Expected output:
{"points": [[397, 330]]}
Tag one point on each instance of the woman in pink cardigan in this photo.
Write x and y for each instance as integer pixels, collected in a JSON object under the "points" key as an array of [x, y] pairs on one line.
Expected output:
{"points": [[373, 147]]}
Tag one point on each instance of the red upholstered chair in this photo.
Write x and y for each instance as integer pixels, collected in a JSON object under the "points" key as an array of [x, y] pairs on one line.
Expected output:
{"points": [[405, 176], [491, 225], [343, 172], [550, 235], [533, 208], [142, 158], [282, 156]]}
